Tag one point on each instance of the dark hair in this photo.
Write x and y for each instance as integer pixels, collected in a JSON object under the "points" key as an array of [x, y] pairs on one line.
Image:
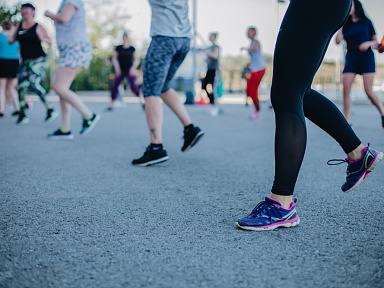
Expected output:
{"points": [[6, 25], [359, 12], [28, 5], [253, 28]]}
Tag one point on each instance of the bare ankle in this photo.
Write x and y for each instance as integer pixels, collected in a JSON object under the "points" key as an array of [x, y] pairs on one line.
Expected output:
{"points": [[357, 153], [285, 201]]}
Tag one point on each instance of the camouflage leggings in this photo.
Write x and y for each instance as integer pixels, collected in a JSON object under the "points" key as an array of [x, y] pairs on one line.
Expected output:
{"points": [[30, 75]]}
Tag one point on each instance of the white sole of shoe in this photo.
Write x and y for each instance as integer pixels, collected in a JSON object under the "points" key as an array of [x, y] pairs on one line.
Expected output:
{"points": [[66, 137], [153, 162], [271, 227]]}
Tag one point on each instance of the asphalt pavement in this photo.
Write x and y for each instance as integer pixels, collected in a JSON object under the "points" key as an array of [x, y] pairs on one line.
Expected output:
{"points": [[78, 214]]}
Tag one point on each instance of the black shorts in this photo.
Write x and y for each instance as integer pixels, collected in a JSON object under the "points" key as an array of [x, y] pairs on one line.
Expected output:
{"points": [[9, 68], [359, 62]]}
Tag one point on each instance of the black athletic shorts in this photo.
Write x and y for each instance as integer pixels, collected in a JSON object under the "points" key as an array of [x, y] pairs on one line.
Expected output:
{"points": [[9, 68]]}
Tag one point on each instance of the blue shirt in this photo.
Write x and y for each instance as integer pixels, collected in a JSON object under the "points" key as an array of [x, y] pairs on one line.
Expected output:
{"points": [[8, 51], [356, 33]]}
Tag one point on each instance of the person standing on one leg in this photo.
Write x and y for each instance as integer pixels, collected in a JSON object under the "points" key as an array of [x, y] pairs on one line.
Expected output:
{"points": [[257, 66], [124, 62], [293, 100], [171, 32], [32, 69], [360, 36], [75, 53]]}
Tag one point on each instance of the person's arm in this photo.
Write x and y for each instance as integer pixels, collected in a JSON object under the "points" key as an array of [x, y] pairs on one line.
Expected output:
{"points": [[43, 35], [368, 44], [255, 46], [115, 62], [339, 36], [214, 54], [136, 60], [12, 39], [65, 14]]}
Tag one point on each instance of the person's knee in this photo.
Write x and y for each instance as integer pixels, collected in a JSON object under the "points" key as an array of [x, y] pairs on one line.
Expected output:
{"points": [[59, 89]]}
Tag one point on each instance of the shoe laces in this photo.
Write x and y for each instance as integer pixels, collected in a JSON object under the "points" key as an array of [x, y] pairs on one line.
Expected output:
{"points": [[263, 208], [333, 162]]}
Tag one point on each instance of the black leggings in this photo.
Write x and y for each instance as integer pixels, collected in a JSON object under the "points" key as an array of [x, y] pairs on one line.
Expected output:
{"points": [[210, 79], [303, 39]]}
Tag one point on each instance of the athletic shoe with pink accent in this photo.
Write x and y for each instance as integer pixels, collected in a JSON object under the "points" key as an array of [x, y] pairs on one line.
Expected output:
{"points": [[358, 170], [256, 117], [268, 215]]}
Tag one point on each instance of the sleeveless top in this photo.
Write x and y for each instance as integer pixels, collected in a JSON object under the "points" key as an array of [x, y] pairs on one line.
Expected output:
{"points": [[125, 57], [8, 51], [30, 44], [257, 62]]}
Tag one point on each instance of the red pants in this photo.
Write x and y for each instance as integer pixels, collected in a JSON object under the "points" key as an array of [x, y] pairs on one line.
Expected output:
{"points": [[253, 87]]}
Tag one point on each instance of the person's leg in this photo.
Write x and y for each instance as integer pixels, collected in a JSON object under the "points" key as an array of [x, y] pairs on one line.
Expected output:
{"points": [[172, 100], [115, 88], [37, 70], [132, 83], [291, 80], [368, 83], [65, 115], [23, 85], [348, 79], [64, 76], [12, 92], [254, 90], [290, 83], [3, 83], [154, 115], [208, 86]]}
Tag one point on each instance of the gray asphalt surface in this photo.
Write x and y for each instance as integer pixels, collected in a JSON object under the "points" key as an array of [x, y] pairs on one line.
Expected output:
{"points": [[77, 214]]}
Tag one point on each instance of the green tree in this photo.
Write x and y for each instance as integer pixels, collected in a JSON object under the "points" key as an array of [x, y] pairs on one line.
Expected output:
{"points": [[9, 13]]}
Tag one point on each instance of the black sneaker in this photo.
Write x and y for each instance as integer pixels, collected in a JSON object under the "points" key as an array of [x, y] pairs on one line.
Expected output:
{"points": [[23, 119], [60, 135], [51, 115], [16, 113], [191, 137], [151, 157], [88, 125], [382, 121], [1, 114]]}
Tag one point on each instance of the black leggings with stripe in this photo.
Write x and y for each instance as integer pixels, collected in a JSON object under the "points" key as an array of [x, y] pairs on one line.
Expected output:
{"points": [[303, 39]]}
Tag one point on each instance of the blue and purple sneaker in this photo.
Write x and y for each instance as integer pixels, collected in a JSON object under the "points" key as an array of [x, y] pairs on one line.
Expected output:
{"points": [[358, 170], [268, 215]]}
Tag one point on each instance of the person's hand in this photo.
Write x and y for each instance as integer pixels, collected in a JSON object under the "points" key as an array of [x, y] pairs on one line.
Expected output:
{"points": [[132, 71], [117, 72], [365, 46], [380, 48], [47, 13]]}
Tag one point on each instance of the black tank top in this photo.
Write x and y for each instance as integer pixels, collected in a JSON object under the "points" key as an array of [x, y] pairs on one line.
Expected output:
{"points": [[125, 57], [30, 44]]}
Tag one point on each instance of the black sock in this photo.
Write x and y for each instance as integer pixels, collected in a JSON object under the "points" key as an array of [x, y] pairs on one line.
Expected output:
{"points": [[156, 147], [187, 128]]}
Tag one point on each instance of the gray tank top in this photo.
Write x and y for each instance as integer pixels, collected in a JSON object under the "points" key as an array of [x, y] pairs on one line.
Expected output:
{"points": [[257, 62]]}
